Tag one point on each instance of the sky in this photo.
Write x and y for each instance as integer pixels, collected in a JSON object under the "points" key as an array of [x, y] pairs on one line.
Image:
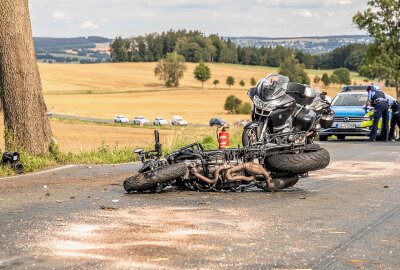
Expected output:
{"points": [[127, 18]]}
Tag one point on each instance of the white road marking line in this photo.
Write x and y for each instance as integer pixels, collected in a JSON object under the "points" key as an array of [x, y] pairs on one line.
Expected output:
{"points": [[38, 173]]}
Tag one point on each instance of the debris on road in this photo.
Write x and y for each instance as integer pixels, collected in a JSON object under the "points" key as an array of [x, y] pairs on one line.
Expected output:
{"points": [[109, 208]]}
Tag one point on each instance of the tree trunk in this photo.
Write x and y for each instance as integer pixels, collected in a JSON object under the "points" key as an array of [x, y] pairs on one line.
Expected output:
{"points": [[26, 124]]}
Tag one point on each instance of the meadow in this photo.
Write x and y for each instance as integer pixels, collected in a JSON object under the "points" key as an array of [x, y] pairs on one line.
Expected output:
{"points": [[106, 90], [131, 89]]}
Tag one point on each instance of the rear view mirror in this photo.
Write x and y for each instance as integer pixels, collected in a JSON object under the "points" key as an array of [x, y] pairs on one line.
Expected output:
{"points": [[139, 150]]}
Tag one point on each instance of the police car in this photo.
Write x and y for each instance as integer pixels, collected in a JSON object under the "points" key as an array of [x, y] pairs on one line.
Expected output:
{"points": [[349, 113]]}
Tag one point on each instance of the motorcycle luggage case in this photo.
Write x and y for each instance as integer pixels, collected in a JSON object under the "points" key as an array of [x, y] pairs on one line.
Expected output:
{"points": [[305, 119], [303, 94]]}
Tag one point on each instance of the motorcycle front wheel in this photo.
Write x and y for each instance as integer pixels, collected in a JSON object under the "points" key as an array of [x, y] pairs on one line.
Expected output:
{"points": [[251, 133]]}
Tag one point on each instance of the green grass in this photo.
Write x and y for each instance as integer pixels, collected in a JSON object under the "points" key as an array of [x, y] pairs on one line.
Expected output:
{"points": [[104, 154]]}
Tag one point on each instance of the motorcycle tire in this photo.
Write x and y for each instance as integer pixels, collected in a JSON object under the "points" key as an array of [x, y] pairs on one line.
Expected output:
{"points": [[250, 134], [298, 163], [150, 179], [312, 147]]}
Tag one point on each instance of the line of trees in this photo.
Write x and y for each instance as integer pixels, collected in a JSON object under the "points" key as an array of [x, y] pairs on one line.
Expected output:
{"points": [[196, 47]]}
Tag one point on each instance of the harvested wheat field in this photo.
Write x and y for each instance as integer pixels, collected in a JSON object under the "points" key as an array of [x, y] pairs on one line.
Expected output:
{"points": [[125, 77], [106, 90], [75, 136], [196, 106]]}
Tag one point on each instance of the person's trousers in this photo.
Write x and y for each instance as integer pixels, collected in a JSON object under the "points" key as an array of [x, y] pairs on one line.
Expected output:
{"points": [[393, 123], [381, 110]]}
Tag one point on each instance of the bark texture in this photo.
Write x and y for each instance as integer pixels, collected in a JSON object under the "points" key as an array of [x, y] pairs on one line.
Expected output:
{"points": [[26, 124]]}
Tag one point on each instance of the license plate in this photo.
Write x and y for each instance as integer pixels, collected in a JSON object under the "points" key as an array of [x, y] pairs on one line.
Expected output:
{"points": [[345, 125]]}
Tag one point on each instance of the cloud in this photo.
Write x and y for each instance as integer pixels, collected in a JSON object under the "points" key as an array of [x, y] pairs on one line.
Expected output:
{"points": [[339, 2], [225, 17], [58, 15], [303, 13], [89, 25]]}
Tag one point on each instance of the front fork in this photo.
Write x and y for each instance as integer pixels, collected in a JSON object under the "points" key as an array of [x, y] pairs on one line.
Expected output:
{"points": [[263, 131]]}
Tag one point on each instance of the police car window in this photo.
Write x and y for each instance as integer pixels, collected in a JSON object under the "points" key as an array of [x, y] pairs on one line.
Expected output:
{"points": [[350, 100]]}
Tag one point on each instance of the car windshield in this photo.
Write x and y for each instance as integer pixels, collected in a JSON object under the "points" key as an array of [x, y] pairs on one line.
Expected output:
{"points": [[350, 100], [271, 87]]}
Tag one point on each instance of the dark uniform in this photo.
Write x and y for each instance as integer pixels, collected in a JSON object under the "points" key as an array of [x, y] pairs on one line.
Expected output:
{"points": [[395, 119], [381, 106]]}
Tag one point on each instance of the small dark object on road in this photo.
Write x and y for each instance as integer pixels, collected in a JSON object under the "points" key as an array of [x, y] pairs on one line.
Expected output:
{"points": [[385, 186], [12, 159], [109, 208]]}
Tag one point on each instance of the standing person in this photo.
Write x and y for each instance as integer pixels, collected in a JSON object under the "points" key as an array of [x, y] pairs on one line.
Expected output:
{"points": [[395, 120], [378, 100]]}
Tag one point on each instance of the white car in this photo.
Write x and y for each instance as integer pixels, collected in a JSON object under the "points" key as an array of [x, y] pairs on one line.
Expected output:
{"points": [[177, 120], [121, 119], [140, 120], [160, 121]]}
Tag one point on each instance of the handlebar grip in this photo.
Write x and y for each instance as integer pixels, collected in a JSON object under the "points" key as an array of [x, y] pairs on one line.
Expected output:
{"points": [[157, 136]]}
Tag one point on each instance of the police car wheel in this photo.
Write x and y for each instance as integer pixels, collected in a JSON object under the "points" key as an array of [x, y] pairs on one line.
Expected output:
{"points": [[323, 138]]}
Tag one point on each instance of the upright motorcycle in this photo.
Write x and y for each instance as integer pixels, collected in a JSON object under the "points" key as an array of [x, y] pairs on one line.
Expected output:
{"points": [[280, 106]]}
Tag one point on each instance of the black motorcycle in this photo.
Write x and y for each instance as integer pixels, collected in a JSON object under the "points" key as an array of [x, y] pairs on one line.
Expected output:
{"points": [[270, 167], [280, 106]]}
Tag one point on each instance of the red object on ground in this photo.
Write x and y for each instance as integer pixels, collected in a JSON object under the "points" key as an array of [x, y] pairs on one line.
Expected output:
{"points": [[223, 139]]}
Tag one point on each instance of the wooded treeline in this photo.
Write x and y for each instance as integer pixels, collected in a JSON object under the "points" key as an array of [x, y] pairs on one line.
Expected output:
{"points": [[196, 47]]}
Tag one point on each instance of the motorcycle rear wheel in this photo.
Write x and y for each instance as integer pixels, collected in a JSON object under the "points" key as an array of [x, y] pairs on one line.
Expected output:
{"points": [[150, 179]]}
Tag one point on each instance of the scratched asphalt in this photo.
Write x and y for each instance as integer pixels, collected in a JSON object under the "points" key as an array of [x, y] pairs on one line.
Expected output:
{"points": [[346, 216]]}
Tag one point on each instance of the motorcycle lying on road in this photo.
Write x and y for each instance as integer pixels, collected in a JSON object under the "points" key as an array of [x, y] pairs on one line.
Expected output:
{"points": [[233, 169], [280, 106]]}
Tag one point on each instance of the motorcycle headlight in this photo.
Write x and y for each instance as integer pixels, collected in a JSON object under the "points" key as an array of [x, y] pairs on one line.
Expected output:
{"points": [[266, 106]]}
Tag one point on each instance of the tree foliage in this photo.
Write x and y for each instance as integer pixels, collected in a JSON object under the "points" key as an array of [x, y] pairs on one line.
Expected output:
{"points": [[343, 75], [196, 46], [382, 21], [171, 69], [334, 79], [253, 81], [242, 83], [232, 104], [202, 73], [216, 82], [326, 80], [230, 81], [317, 79], [295, 71]]}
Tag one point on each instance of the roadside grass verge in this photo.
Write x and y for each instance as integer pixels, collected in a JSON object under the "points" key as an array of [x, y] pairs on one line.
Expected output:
{"points": [[102, 155], [106, 154]]}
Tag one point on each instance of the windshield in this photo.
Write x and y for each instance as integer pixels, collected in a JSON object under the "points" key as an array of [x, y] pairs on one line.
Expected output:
{"points": [[350, 100], [271, 87]]}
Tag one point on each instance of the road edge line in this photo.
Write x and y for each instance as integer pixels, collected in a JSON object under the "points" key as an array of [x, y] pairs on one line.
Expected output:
{"points": [[40, 172]]}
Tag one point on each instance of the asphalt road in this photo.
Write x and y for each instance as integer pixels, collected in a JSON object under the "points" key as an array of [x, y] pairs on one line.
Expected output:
{"points": [[344, 217]]}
